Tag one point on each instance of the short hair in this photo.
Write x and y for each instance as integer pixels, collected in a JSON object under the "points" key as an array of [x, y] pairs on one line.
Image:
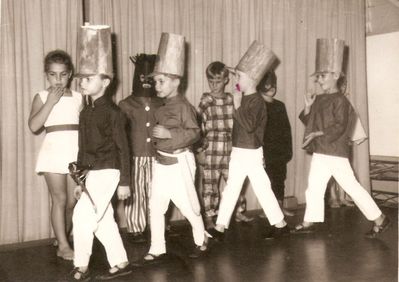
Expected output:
{"points": [[270, 78], [216, 68], [60, 57]]}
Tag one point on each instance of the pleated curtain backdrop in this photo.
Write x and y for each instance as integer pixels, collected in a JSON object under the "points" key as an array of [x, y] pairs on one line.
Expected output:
{"points": [[214, 30], [29, 29]]}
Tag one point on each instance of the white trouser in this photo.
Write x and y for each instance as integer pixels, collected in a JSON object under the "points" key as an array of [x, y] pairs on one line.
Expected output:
{"points": [[243, 163], [322, 167], [101, 185], [168, 185]]}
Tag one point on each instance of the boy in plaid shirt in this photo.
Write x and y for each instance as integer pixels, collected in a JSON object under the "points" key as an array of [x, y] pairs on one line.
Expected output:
{"points": [[216, 113]]}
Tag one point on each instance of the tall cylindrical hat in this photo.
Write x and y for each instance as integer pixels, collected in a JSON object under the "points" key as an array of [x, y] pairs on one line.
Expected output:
{"points": [[256, 61], [170, 58], [95, 51], [329, 55]]}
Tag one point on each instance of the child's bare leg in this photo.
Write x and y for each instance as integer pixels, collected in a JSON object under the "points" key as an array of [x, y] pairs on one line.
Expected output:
{"points": [[57, 185], [70, 204], [342, 198], [241, 208], [334, 202]]}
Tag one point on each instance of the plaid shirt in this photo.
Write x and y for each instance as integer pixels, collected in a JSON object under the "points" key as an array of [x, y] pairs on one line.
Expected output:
{"points": [[216, 119]]}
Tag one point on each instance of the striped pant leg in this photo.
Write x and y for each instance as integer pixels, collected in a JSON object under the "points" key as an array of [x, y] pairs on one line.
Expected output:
{"points": [[137, 207]]}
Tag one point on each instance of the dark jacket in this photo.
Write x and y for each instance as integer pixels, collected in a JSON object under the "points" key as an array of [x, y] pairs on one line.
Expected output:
{"points": [[102, 138]]}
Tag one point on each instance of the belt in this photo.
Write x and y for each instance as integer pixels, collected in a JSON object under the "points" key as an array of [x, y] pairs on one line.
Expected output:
{"points": [[178, 151], [61, 127], [167, 158]]}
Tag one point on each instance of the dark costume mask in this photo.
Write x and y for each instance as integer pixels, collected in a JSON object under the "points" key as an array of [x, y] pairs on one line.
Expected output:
{"points": [[268, 81], [143, 86]]}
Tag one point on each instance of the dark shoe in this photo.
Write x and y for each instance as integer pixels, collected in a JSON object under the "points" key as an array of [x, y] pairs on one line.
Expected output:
{"points": [[302, 229], [275, 233], [216, 235], [150, 259], [136, 238], [199, 251], [77, 275], [170, 232], [120, 272], [378, 229]]}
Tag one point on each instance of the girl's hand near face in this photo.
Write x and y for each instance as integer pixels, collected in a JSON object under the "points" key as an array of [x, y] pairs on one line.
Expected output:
{"points": [[54, 95]]}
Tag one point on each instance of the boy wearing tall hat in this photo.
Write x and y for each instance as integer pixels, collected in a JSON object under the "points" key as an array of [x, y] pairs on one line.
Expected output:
{"points": [[329, 119], [247, 154], [103, 149], [139, 109], [175, 132]]}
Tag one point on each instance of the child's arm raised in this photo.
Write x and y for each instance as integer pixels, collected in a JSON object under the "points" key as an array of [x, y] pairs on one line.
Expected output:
{"points": [[39, 111]]}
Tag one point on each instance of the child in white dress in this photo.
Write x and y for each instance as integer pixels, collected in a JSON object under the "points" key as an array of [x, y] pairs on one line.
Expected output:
{"points": [[56, 109]]}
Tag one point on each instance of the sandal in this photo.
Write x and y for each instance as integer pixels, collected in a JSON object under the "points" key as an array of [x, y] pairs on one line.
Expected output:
{"points": [[378, 229], [302, 229], [240, 217], [78, 275], [121, 271], [347, 203], [150, 259], [335, 205], [66, 255]]}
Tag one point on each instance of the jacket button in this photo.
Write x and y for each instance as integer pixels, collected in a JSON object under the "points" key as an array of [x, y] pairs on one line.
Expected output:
{"points": [[148, 140], [147, 124], [147, 108]]}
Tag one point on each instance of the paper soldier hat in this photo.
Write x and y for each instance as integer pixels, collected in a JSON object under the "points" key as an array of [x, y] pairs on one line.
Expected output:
{"points": [[170, 58], [329, 55], [95, 51], [256, 61]]}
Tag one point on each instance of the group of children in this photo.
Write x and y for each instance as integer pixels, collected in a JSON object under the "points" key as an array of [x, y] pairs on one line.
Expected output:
{"points": [[143, 149]]}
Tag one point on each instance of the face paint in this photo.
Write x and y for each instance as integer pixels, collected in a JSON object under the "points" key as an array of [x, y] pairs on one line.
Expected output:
{"points": [[238, 87], [143, 86]]}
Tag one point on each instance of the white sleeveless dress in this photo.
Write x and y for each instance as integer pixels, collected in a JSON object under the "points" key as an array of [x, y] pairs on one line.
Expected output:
{"points": [[59, 148]]}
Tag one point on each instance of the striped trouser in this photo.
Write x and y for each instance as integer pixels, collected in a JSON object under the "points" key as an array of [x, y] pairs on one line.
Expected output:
{"points": [[136, 206]]}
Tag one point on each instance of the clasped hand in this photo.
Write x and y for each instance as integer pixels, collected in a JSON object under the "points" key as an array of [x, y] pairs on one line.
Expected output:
{"points": [[123, 192], [161, 132]]}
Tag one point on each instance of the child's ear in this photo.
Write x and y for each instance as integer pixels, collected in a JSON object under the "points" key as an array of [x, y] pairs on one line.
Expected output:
{"points": [[106, 82], [176, 82], [336, 75]]}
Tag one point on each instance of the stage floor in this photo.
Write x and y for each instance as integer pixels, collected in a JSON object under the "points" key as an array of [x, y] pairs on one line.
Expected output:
{"points": [[337, 252]]}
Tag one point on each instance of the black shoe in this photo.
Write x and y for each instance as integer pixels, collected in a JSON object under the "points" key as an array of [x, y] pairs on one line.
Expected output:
{"points": [[120, 272], [275, 233], [199, 252], [77, 275], [378, 229], [170, 232], [216, 235], [136, 238]]}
